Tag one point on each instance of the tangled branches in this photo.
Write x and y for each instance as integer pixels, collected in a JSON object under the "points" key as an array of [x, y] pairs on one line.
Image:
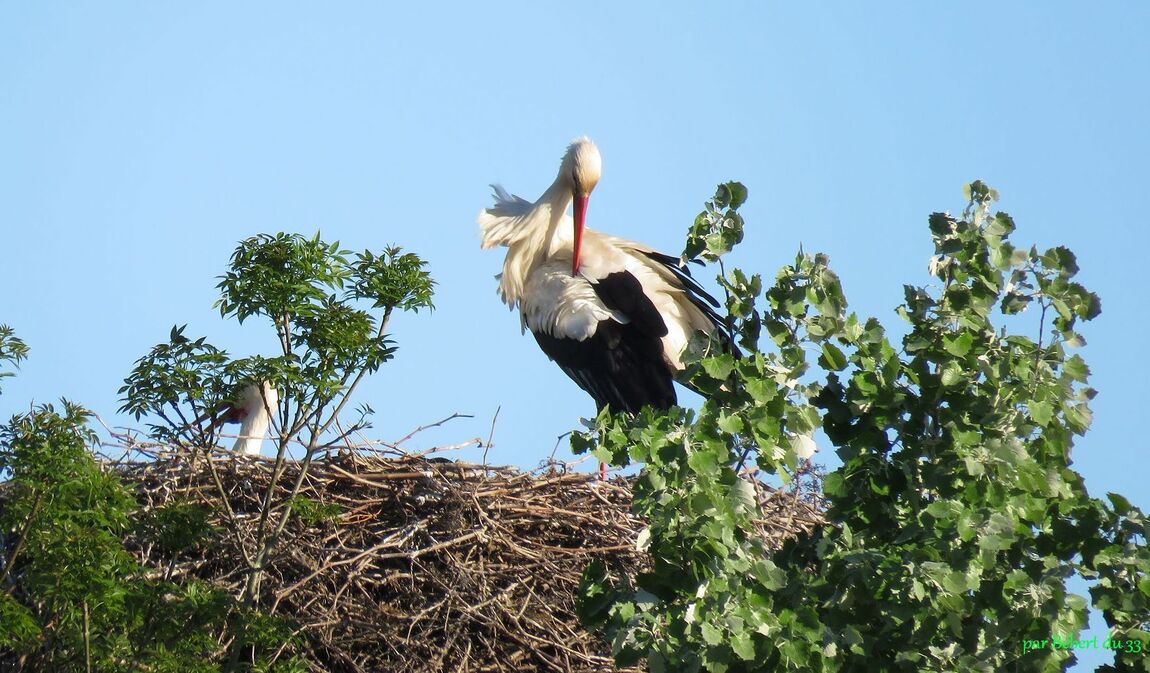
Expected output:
{"points": [[416, 564]]}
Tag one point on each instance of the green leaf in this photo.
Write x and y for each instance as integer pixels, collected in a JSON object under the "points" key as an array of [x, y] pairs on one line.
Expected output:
{"points": [[1062, 260], [974, 466], [734, 194], [943, 509], [643, 539], [719, 367], [1041, 412], [1121, 504], [952, 374], [832, 358], [1001, 226], [730, 423], [1001, 255], [955, 582], [803, 419], [769, 575], [1075, 368], [761, 390], [1014, 302], [711, 634], [744, 646], [958, 345], [941, 224], [719, 227], [704, 463], [1078, 416], [834, 485], [742, 496]]}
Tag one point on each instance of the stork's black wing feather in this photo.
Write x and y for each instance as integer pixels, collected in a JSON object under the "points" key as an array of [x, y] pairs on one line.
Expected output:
{"points": [[683, 273], [618, 366], [698, 296], [622, 364], [623, 293]]}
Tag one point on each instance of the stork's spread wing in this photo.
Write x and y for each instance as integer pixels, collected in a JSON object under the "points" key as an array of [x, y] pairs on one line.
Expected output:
{"points": [[506, 221], [507, 204]]}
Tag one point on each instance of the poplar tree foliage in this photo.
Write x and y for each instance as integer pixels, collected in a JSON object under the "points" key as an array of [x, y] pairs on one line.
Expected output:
{"points": [[71, 596], [955, 520]]}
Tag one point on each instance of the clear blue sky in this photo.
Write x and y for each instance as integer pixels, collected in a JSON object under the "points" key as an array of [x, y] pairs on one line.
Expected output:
{"points": [[140, 141]]}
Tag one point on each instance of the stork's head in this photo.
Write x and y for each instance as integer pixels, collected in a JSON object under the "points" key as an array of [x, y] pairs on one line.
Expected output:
{"points": [[582, 165], [251, 401]]}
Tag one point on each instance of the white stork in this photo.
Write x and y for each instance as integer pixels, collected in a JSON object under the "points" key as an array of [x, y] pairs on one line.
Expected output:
{"points": [[253, 412], [614, 314]]}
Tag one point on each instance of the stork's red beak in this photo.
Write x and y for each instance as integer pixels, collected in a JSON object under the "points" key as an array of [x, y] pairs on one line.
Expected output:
{"points": [[580, 220]]}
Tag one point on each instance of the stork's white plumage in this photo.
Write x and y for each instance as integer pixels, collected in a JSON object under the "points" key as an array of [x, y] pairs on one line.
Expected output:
{"points": [[614, 314], [253, 412]]}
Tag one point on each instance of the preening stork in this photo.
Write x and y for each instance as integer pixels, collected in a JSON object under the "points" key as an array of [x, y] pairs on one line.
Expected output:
{"points": [[253, 412], [615, 315]]}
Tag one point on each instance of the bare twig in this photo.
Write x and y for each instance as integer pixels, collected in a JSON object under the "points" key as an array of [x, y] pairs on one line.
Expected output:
{"points": [[87, 639], [491, 435], [432, 425], [555, 449]]}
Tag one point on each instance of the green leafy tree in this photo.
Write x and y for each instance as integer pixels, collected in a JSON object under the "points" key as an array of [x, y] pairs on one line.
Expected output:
{"points": [[330, 310], [73, 598], [182, 384], [955, 520], [12, 349], [312, 293]]}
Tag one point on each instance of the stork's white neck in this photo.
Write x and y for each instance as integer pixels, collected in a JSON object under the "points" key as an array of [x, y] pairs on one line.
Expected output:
{"points": [[256, 403], [557, 235]]}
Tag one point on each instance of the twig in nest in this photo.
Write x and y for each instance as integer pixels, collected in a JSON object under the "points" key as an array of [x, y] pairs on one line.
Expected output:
{"points": [[491, 435], [436, 424]]}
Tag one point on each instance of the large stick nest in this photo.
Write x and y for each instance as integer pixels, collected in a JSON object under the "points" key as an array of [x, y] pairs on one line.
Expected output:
{"points": [[429, 565]]}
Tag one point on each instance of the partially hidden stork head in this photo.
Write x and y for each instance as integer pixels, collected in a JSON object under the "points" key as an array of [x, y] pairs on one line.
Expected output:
{"points": [[256, 396], [580, 170], [250, 403]]}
